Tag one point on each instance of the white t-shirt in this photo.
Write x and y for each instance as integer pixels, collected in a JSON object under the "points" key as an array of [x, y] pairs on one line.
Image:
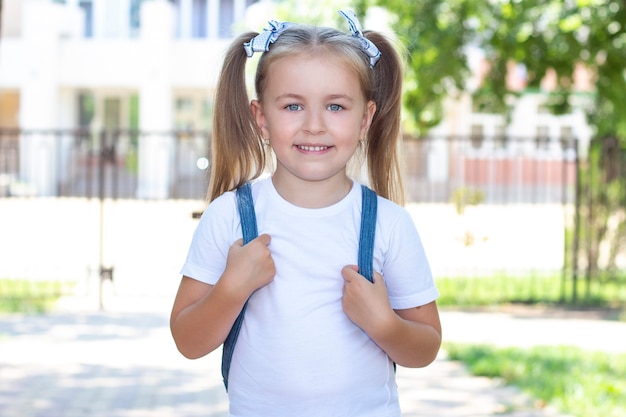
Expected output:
{"points": [[298, 354]]}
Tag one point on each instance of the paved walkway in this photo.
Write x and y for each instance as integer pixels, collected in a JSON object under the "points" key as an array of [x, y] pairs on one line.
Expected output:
{"points": [[122, 363]]}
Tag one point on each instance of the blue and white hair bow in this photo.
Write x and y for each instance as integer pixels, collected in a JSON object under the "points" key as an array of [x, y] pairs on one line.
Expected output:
{"points": [[355, 27], [261, 42]]}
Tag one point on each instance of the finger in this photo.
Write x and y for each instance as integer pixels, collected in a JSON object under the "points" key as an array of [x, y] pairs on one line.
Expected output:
{"points": [[349, 272], [238, 242], [265, 239], [378, 278], [354, 268]]}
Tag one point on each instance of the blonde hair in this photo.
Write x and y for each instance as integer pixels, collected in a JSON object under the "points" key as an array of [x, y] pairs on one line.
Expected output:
{"points": [[238, 152]]}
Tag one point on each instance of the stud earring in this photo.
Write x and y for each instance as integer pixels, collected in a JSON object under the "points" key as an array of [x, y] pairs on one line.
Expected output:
{"points": [[266, 142]]}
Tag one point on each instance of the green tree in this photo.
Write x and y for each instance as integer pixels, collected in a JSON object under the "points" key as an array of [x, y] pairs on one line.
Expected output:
{"points": [[559, 36], [543, 35], [435, 34]]}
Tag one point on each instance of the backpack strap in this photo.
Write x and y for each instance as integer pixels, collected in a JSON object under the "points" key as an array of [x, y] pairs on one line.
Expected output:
{"points": [[245, 204], [368, 231], [249, 230]]}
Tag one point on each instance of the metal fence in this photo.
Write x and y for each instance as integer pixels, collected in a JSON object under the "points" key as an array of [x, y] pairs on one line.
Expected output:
{"points": [[501, 170], [103, 171], [175, 165], [598, 253], [107, 164]]}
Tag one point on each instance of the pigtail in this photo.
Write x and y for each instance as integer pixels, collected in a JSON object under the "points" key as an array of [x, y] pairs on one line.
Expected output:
{"points": [[237, 153], [383, 138]]}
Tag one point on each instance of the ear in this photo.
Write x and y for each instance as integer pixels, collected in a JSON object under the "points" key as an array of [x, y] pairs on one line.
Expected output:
{"points": [[368, 115], [259, 118]]}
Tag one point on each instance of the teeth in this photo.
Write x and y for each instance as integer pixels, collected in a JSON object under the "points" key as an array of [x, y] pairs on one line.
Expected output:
{"points": [[313, 148]]}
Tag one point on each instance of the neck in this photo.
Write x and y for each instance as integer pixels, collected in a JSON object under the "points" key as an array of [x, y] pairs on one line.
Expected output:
{"points": [[313, 194]]}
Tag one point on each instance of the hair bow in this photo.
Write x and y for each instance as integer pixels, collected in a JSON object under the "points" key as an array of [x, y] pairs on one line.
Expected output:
{"points": [[355, 27], [261, 42]]}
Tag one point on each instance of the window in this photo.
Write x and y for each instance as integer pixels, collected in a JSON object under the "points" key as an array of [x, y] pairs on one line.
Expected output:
{"points": [[87, 8], [191, 18], [198, 22], [500, 137], [193, 111], [86, 109], [567, 132], [135, 17], [543, 137], [567, 137], [477, 136], [227, 18]]}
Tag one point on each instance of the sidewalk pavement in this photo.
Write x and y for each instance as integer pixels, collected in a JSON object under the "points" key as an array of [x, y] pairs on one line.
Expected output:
{"points": [[122, 362]]}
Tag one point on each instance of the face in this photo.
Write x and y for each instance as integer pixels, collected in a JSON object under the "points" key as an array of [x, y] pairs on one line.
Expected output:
{"points": [[314, 113]]}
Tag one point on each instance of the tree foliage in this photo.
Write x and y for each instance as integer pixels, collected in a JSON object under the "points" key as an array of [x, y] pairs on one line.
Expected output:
{"points": [[435, 34], [544, 35], [560, 36]]}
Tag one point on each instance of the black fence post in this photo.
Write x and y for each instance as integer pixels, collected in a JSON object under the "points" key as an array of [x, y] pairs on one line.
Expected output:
{"points": [[105, 273]]}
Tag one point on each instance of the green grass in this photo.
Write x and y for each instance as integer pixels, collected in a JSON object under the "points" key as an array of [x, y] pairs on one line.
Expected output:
{"points": [[550, 289], [574, 381], [25, 296], [577, 382]]}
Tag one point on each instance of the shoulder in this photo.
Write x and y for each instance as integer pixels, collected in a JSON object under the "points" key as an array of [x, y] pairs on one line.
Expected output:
{"points": [[260, 186], [225, 206], [228, 200], [390, 211], [225, 203], [220, 215], [394, 223]]}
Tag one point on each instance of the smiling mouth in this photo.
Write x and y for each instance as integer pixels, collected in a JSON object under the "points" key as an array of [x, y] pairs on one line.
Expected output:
{"points": [[312, 148]]}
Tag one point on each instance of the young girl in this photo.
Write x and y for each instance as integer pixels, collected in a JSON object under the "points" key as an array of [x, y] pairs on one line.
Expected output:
{"points": [[318, 339]]}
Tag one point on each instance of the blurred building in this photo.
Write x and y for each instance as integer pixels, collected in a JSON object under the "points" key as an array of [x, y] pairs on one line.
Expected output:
{"points": [[530, 115], [112, 63], [146, 65]]}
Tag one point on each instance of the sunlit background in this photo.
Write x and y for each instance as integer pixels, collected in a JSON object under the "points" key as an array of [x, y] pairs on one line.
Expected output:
{"points": [[514, 153], [509, 137], [109, 103]]}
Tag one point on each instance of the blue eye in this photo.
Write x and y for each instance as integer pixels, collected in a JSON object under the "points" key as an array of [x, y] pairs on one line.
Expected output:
{"points": [[335, 107], [293, 107]]}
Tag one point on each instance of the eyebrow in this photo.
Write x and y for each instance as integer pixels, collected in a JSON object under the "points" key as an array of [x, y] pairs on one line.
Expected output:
{"points": [[289, 96]]}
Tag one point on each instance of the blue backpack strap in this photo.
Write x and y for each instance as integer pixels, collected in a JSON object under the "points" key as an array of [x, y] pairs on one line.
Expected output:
{"points": [[245, 204], [368, 231], [249, 230]]}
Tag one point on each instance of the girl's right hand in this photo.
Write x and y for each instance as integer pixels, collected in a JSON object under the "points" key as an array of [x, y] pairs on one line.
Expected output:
{"points": [[249, 267]]}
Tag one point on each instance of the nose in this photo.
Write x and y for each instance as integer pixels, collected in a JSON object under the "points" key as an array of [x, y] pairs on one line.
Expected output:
{"points": [[314, 122]]}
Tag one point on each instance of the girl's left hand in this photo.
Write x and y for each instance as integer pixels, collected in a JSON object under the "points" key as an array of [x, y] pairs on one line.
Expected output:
{"points": [[365, 303]]}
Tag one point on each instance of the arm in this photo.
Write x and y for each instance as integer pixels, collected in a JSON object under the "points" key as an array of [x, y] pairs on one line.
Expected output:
{"points": [[203, 314], [410, 337]]}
